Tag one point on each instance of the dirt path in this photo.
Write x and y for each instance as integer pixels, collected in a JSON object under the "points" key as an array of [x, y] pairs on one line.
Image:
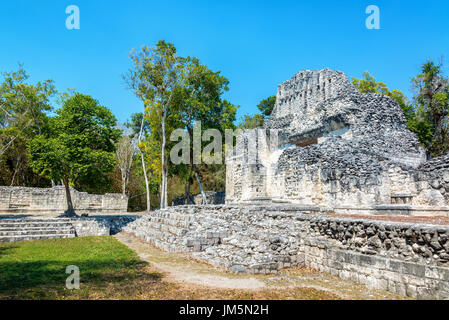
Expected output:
{"points": [[180, 268]]}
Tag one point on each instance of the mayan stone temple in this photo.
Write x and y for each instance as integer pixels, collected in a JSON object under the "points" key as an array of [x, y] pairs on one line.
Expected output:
{"points": [[337, 148]]}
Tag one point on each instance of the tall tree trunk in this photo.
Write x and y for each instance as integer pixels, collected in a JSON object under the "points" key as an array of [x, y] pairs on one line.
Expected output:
{"points": [[144, 168], [16, 169], [123, 188], [197, 176], [70, 212], [164, 172], [187, 191], [13, 177], [147, 186]]}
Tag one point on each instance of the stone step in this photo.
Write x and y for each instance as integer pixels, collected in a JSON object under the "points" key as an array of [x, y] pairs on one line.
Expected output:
{"points": [[29, 224], [33, 232], [34, 237], [168, 241], [167, 228], [149, 231], [169, 247], [179, 229], [34, 229], [37, 220], [12, 228], [168, 221], [162, 236], [171, 218]]}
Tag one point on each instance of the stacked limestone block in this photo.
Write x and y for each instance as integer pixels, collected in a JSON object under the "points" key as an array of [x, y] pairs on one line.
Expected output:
{"points": [[336, 147], [407, 259], [50, 200]]}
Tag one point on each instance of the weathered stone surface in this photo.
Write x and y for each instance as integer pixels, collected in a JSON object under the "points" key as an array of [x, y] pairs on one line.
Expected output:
{"points": [[211, 198], [47, 228], [47, 200], [384, 255], [336, 147]]}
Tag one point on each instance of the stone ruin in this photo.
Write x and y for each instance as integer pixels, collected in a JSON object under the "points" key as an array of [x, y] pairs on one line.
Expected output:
{"points": [[326, 148], [53, 200], [328, 145], [197, 199]]}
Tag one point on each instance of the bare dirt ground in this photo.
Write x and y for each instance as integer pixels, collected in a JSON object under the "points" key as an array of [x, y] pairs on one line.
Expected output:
{"points": [[179, 268]]}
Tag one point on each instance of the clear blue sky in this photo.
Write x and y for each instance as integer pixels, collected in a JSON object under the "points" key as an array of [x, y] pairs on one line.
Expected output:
{"points": [[255, 44]]}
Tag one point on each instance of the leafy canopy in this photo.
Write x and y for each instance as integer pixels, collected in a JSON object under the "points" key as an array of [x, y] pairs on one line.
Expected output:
{"points": [[79, 146], [266, 106]]}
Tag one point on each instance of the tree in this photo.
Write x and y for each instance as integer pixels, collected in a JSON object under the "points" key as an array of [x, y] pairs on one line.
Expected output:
{"points": [[432, 102], [156, 79], [201, 101], [266, 105], [23, 108], [257, 120], [124, 150], [141, 130], [79, 147], [251, 122]]}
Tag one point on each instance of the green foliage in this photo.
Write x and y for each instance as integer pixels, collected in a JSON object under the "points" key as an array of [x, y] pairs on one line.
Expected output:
{"points": [[201, 101], [266, 105], [177, 93], [79, 146], [257, 120], [432, 101], [251, 122], [23, 108]]}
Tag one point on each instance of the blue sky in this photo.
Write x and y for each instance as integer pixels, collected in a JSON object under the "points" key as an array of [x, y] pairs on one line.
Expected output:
{"points": [[255, 44]]}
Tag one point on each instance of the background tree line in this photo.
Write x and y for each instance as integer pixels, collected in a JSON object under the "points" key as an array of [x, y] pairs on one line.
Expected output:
{"points": [[80, 144]]}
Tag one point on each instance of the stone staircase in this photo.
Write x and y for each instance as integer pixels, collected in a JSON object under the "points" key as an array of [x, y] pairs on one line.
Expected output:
{"points": [[34, 229], [240, 239], [173, 232]]}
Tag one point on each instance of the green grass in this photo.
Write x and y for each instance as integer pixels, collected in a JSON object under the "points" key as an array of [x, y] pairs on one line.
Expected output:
{"points": [[36, 269], [108, 270]]}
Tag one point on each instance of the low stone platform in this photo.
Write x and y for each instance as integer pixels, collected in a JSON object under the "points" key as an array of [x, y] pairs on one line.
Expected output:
{"points": [[410, 259], [22, 229]]}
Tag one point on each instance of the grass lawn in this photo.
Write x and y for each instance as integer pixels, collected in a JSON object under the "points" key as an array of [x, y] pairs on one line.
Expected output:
{"points": [[108, 270]]}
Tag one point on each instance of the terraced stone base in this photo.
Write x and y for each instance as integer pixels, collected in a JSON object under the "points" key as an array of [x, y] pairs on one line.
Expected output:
{"points": [[48, 228], [403, 258]]}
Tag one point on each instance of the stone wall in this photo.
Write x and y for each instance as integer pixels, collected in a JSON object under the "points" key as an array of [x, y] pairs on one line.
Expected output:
{"points": [[407, 259], [49, 200], [100, 226]]}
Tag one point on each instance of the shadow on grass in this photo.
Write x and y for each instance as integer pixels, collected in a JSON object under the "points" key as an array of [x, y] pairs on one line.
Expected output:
{"points": [[19, 276], [5, 251]]}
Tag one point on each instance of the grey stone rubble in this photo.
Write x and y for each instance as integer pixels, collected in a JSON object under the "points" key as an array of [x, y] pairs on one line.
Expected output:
{"points": [[14, 229], [336, 148], [211, 198], [50, 200], [407, 259]]}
